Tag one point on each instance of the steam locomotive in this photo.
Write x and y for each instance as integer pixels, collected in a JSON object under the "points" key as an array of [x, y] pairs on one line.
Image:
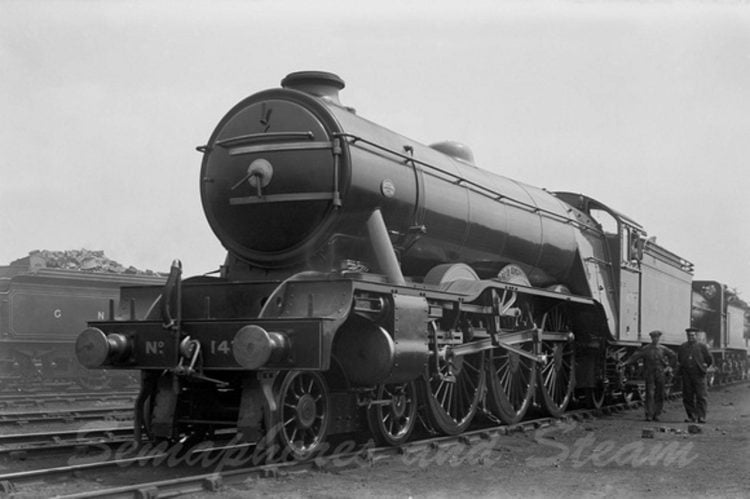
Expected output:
{"points": [[371, 280]]}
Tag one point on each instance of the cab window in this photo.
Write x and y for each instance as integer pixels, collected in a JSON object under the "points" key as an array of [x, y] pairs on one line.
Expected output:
{"points": [[606, 221]]}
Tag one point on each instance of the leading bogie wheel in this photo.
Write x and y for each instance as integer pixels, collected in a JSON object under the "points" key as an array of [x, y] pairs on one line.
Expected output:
{"points": [[393, 423], [303, 413]]}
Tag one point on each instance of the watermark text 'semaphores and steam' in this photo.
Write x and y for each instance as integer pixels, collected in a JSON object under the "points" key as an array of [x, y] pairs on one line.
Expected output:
{"points": [[215, 456], [590, 450]]}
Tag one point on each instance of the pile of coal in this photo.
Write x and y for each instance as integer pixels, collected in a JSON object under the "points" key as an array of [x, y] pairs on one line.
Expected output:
{"points": [[78, 259]]}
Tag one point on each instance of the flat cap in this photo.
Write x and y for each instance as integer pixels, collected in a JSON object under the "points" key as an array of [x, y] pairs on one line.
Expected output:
{"points": [[691, 330], [655, 333]]}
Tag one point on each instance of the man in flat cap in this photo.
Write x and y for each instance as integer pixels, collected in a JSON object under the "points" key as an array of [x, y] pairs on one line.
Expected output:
{"points": [[656, 359], [695, 359]]}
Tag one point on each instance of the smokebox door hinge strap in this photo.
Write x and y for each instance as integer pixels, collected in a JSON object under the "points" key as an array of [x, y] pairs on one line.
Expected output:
{"points": [[337, 152]]}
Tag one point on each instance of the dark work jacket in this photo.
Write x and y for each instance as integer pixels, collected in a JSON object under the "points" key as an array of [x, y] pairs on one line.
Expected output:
{"points": [[655, 358], [694, 357]]}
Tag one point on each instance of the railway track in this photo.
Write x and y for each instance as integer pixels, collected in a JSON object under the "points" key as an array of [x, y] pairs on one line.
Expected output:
{"points": [[227, 452], [20, 418], [227, 468], [18, 400], [25, 445]]}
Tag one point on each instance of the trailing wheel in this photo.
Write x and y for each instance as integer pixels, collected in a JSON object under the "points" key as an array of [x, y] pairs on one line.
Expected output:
{"points": [[602, 374], [303, 413], [557, 372], [451, 396], [392, 424], [595, 397], [510, 383]]}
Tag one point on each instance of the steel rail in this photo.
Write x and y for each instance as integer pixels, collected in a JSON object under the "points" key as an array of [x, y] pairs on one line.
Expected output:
{"points": [[26, 444], [38, 399], [121, 413]]}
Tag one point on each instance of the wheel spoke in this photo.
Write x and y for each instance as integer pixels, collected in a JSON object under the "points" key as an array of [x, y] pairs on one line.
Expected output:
{"points": [[551, 381], [450, 399]]}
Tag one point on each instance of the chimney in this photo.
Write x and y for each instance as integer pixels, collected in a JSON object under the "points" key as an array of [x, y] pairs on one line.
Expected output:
{"points": [[319, 83]]}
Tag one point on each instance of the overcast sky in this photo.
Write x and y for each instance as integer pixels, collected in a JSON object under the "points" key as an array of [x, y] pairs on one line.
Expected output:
{"points": [[642, 105]]}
